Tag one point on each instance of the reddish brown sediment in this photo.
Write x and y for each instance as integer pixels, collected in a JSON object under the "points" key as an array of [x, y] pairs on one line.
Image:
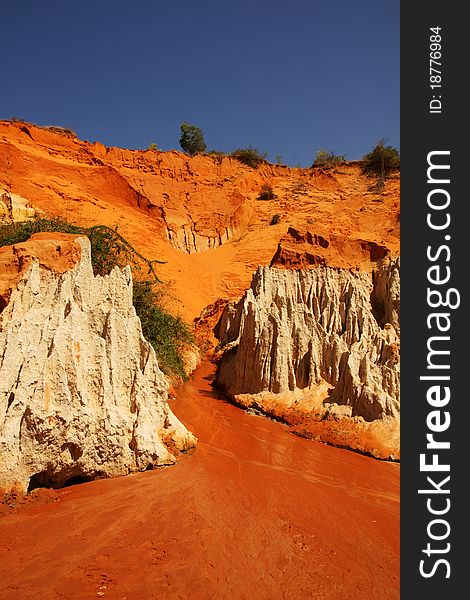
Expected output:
{"points": [[254, 513], [202, 214]]}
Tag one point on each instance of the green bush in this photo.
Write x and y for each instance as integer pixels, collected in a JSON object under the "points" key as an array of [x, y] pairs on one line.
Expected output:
{"points": [[249, 156], [326, 158], [192, 139], [168, 335], [381, 161], [266, 193], [152, 146], [275, 219]]}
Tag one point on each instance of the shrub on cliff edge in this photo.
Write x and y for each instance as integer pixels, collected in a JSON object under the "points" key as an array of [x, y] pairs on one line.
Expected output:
{"points": [[192, 139], [381, 161], [326, 158], [249, 156]]}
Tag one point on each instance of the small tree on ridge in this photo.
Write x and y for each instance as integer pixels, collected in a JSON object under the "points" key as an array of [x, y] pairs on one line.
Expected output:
{"points": [[381, 161], [192, 139]]}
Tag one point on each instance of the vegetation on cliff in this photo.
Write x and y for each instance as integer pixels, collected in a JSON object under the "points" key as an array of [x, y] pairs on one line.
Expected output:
{"points": [[250, 156], [169, 335], [192, 139], [326, 158], [381, 161]]}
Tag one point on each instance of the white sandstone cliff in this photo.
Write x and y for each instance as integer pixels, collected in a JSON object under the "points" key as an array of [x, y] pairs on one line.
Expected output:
{"points": [[81, 393], [313, 330]]}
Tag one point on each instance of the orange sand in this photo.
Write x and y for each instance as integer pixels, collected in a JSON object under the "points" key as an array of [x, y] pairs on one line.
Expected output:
{"points": [[153, 195]]}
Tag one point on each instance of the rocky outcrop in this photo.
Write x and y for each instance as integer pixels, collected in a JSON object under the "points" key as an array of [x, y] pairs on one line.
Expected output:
{"points": [[304, 249], [327, 329], [220, 225], [14, 208], [81, 393]]}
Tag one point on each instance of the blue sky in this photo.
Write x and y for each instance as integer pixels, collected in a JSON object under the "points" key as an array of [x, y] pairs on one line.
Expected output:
{"points": [[285, 77]]}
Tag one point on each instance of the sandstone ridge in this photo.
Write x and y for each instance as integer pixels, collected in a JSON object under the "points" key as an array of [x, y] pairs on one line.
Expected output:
{"points": [[321, 343], [81, 393]]}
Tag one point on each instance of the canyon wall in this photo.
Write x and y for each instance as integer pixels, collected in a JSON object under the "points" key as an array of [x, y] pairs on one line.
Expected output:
{"points": [[329, 331], [200, 215], [81, 393]]}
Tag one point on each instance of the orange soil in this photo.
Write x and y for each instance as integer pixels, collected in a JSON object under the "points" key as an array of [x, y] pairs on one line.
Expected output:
{"points": [[56, 252], [254, 513], [153, 196]]}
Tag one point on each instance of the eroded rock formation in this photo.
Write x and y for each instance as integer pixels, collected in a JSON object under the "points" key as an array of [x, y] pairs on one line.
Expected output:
{"points": [[304, 249], [329, 331], [202, 215], [81, 393], [14, 208]]}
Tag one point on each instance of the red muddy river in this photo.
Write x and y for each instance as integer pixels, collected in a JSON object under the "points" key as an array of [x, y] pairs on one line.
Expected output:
{"points": [[255, 513]]}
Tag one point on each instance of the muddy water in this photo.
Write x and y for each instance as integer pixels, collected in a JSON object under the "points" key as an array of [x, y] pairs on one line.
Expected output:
{"points": [[255, 513]]}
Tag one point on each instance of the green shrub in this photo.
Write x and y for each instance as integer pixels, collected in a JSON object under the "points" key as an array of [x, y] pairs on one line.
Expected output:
{"points": [[266, 192], [275, 219], [381, 161], [192, 139], [152, 146], [167, 334], [249, 156], [326, 158]]}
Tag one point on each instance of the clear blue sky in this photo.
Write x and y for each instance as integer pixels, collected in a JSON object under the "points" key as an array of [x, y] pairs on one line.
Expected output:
{"points": [[287, 77]]}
